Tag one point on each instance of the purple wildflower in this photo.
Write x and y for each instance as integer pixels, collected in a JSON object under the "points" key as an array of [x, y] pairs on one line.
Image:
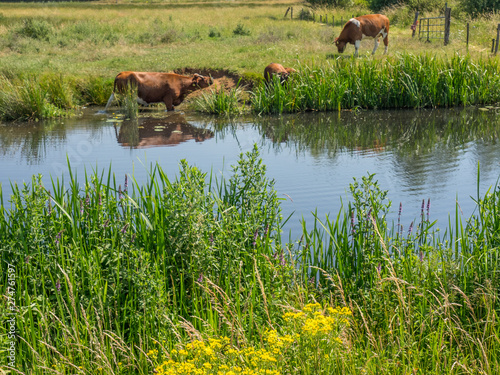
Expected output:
{"points": [[133, 237], [379, 268], [428, 208], [410, 229], [58, 286], [399, 216], [126, 183], [422, 209], [421, 256], [27, 259], [106, 223], [87, 200], [265, 230], [282, 259], [100, 200], [58, 237], [120, 197], [255, 237], [50, 205], [200, 279], [124, 229]]}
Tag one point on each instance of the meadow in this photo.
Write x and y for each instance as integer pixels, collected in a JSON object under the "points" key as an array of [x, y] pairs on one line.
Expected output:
{"points": [[192, 275], [57, 57]]}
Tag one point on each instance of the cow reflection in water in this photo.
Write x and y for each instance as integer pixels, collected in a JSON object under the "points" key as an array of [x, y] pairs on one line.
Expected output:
{"points": [[153, 132]]}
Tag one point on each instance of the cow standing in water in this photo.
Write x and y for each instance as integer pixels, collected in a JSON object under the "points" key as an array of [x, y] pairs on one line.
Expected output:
{"points": [[372, 25], [169, 88]]}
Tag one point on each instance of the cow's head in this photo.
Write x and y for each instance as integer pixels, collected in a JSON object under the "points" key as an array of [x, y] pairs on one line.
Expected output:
{"points": [[340, 45], [202, 81]]}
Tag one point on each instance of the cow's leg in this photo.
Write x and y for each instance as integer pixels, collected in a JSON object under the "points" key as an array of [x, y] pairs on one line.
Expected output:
{"points": [[377, 41], [386, 42], [169, 103], [357, 43]]}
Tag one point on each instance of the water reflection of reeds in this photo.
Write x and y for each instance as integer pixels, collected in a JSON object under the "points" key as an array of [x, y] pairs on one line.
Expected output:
{"points": [[401, 132]]}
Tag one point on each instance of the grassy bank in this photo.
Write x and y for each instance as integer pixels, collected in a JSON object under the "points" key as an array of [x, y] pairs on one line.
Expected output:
{"points": [[69, 53], [191, 275]]}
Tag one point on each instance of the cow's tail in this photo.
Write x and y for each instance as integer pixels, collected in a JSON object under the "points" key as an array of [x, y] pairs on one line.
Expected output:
{"points": [[111, 98]]}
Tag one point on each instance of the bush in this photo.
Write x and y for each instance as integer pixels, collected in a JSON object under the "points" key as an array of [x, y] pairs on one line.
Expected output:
{"points": [[420, 5], [477, 7], [241, 30], [35, 29]]}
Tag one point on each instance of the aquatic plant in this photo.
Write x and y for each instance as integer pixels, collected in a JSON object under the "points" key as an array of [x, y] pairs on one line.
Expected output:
{"points": [[220, 101], [113, 277], [404, 81]]}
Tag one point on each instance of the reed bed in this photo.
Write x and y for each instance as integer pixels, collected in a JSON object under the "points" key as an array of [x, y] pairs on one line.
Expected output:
{"points": [[405, 81], [192, 274]]}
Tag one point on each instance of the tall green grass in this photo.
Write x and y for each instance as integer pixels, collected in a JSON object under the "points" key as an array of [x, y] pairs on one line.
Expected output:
{"points": [[101, 260], [405, 81], [49, 96], [112, 273], [220, 101]]}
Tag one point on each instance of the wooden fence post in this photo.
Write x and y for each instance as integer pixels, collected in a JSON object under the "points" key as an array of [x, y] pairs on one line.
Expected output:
{"points": [[326, 19], [287, 10], [492, 45], [291, 13], [498, 37], [447, 23], [414, 26], [467, 36]]}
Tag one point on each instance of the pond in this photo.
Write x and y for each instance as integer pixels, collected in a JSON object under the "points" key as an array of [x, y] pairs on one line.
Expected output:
{"points": [[313, 157]]}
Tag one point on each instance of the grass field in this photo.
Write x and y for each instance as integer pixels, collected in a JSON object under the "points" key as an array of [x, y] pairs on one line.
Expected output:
{"points": [[83, 46]]}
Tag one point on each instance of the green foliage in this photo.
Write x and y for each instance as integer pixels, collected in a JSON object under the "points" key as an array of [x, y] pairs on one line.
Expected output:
{"points": [[214, 33], [405, 81], [35, 29], [241, 30], [478, 7], [220, 101]]}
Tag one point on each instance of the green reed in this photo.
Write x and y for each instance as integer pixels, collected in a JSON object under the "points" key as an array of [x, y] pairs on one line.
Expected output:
{"points": [[404, 81], [220, 101], [135, 260], [108, 269]]}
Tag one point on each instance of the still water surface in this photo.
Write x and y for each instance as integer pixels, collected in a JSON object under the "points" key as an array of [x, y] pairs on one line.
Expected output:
{"points": [[313, 157]]}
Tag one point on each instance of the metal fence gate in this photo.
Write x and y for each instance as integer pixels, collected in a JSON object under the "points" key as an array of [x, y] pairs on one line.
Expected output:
{"points": [[435, 27]]}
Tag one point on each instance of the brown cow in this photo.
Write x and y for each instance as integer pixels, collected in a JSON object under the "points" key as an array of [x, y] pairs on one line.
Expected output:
{"points": [[169, 88], [279, 70], [372, 25]]}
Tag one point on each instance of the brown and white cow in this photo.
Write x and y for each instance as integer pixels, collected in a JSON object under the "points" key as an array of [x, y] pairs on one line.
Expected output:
{"points": [[152, 87], [279, 70], [371, 25]]}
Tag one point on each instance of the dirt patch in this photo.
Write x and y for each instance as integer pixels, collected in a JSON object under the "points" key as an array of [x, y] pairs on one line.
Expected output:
{"points": [[222, 78]]}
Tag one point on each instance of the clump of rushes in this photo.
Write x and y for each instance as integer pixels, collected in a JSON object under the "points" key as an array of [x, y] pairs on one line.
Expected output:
{"points": [[130, 102], [310, 339], [220, 101], [404, 81]]}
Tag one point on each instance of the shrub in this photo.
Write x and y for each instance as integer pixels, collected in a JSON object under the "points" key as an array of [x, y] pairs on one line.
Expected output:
{"points": [[477, 7], [35, 29], [241, 30]]}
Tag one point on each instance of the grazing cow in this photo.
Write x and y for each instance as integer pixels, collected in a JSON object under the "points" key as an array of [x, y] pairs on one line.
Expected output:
{"points": [[169, 88], [279, 70], [372, 25]]}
